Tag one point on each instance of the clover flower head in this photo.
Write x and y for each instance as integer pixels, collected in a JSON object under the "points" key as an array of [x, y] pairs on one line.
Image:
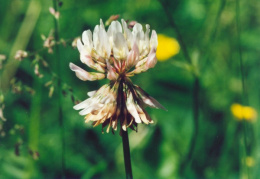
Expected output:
{"points": [[116, 54]]}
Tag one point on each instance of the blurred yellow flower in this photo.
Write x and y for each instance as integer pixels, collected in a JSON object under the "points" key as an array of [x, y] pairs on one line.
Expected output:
{"points": [[250, 162], [167, 47], [243, 112]]}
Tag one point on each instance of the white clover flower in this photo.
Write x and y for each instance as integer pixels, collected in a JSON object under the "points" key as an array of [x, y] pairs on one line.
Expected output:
{"points": [[116, 54]]}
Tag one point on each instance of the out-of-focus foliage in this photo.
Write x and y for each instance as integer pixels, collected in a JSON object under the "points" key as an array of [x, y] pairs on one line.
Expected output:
{"points": [[30, 141]]}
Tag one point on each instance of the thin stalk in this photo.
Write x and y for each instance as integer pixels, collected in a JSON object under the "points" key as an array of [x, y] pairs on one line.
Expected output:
{"points": [[20, 42], [58, 65], [34, 126], [195, 104], [127, 157], [242, 70], [125, 140], [178, 32], [206, 49], [189, 155], [244, 92]]}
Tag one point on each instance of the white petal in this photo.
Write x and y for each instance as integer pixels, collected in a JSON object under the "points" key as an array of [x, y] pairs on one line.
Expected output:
{"points": [[83, 104], [103, 47], [137, 28], [91, 108], [95, 36], [87, 40], [120, 49], [80, 73], [86, 58], [141, 62], [128, 35], [147, 32], [124, 25], [133, 57], [146, 44], [139, 40], [91, 93], [142, 114], [114, 28], [102, 24], [79, 45], [151, 60], [153, 40], [84, 75]]}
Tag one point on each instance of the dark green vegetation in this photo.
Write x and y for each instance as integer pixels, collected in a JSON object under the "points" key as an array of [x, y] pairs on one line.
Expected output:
{"points": [[196, 138]]}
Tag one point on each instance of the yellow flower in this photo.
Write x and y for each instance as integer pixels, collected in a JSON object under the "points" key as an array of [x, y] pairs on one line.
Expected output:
{"points": [[243, 112], [250, 162], [167, 47]]}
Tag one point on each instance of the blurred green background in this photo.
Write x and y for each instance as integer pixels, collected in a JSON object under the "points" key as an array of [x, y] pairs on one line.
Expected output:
{"points": [[217, 35]]}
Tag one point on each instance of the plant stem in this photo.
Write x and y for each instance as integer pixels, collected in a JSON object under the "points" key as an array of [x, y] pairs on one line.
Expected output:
{"points": [[20, 42], [188, 158], [244, 91], [127, 157], [178, 33], [58, 65]]}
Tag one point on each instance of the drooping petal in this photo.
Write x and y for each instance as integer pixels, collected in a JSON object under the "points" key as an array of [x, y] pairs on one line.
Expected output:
{"points": [[83, 104], [84, 75], [91, 108], [124, 125], [91, 93], [142, 114], [130, 105], [148, 100]]}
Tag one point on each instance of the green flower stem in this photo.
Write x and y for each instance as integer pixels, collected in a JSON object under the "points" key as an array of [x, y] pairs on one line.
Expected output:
{"points": [[127, 157], [189, 155], [20, 42], [178, 32], [244, 90], [58, 65], [34, 128], [195, 105]]}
